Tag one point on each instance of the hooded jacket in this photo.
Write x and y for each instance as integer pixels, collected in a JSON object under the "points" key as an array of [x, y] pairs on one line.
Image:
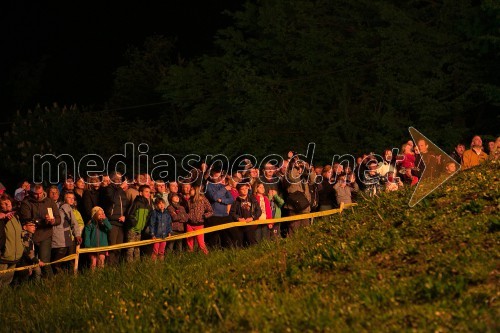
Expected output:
{"points": [[96, 233], [216, 192], [160, 223], [69, 228], [179, 217], [236, 211], [139, 214], [11, 244]]}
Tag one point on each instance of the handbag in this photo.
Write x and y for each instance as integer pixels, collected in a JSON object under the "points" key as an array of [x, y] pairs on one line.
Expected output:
{"points": [[298, 201]]}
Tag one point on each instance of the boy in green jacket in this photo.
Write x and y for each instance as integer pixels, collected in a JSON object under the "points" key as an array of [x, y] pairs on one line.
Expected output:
{"points": [[138, 220]]}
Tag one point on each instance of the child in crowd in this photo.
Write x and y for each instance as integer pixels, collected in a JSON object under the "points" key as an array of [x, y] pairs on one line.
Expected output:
{"points": [[450, 168], [245, 209], [160, 226], [199, 210], [29, 258], [179, 220], [96, 235], [138, 220]]}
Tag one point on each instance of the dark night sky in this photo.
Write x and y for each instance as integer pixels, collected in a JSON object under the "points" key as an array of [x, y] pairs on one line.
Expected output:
{"points": [[82, 43]]}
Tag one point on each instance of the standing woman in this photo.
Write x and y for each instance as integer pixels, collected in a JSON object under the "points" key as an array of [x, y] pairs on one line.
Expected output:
{"points": [[326, 191], [409, 161], [262, 232], [78, 191], [199, 210], [90, 197]]}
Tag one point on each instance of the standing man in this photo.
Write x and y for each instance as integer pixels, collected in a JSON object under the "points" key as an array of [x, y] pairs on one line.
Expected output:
{"points": [[475, 155], [458, 152], [432, 162], [115, 205], [38, 207]]}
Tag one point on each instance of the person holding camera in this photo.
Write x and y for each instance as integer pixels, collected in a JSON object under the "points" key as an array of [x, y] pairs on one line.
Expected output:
{"points": [[371, 178], [344, 188], [22, 191], [42, 208], [298, 179]]}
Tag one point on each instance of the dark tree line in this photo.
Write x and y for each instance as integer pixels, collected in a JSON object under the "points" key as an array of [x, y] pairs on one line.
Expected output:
{"points": [[348, 75]]}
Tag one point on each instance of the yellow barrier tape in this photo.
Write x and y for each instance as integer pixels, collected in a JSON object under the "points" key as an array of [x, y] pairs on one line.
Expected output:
{"points": [[213, 229], [186, 235], [67, 258]]}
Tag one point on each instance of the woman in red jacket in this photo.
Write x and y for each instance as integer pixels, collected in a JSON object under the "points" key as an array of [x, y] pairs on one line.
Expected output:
{"points": [[262, 231]]}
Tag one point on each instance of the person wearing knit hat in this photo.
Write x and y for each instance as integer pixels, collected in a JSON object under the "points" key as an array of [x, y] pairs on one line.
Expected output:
{"points": [[95, 210], [96, 235]]}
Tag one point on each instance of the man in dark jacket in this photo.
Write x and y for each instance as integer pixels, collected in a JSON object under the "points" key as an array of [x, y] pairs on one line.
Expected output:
{"points": [[90, 198], [38, 207], [114, 202], [458, 152]]}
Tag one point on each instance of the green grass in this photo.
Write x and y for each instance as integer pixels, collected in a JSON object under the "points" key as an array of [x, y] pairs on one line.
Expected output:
{"points": [[381, 267]]}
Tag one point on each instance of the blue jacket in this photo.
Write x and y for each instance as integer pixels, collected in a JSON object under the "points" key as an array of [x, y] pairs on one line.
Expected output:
{"points": [[160, 223], [216, 192]]}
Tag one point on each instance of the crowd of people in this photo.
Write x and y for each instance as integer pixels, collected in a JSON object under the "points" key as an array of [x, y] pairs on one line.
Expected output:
{"points": [[42, 225]]}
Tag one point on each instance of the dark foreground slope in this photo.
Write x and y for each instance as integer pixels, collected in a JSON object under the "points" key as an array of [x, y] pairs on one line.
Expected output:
{"points": [[382, 267]]}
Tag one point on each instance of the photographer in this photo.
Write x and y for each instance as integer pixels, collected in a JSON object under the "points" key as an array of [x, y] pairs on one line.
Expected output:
{"points": [[298, 178], [371, 178], [344, 188]]}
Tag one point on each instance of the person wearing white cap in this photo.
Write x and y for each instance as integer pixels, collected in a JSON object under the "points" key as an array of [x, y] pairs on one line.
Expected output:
{"points": [[96, 235]]}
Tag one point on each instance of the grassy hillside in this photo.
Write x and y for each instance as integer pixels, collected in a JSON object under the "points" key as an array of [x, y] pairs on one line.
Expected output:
{"points": [[382, 267]]}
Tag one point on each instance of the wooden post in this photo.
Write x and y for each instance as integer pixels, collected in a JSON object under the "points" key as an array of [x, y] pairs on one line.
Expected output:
{"points": [[77, 253]]}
